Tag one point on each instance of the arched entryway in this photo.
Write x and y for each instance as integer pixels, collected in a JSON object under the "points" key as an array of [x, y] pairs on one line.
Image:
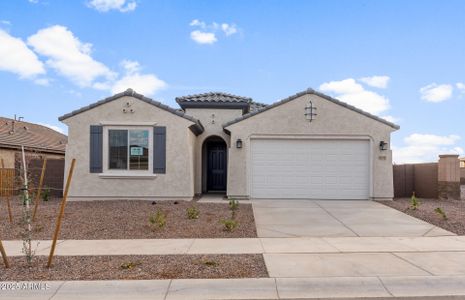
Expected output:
{"points": [[214, 165]]}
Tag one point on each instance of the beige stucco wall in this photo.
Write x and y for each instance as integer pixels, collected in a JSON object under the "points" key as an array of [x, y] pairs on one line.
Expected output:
{"points": [[178, 182], [332, 120], [212, 120]]}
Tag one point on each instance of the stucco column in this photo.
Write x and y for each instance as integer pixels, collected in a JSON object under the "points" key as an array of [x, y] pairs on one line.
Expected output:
{"points": [[449, 177]]}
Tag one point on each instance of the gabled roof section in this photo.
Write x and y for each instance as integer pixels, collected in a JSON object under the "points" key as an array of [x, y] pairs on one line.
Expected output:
{"points": [[197, 128], [215, 100], [310, 92], [15, 133]]}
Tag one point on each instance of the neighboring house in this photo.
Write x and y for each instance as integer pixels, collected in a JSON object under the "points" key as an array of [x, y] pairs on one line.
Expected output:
{"points": [[308, 146], [38, 141]]}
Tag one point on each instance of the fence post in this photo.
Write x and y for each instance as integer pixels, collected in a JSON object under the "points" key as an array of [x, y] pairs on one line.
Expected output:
{"points": [[62, 211], [5, 258], [39, 189], [449, 177], [7, 194]]}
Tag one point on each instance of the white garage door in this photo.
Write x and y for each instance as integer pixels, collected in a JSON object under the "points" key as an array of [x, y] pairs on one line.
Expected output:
{"points": [[311, 169]]}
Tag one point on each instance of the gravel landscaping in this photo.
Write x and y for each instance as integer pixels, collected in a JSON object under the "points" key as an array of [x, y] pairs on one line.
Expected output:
{"points": [[120, 219], [136, 267], [453, 209]]}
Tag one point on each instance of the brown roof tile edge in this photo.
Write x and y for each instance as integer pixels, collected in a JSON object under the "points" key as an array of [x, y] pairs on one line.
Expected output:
{"points": [[311, 92], [197, 128]]}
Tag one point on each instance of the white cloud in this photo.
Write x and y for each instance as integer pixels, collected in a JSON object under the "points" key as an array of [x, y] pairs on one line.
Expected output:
{"points": [[208, 33], [5, 22], [376, 81], [436, 93], [229, 29], [346, 86], [461, 87], [33, 1], [56, 128], [353, 93], [17, 58], [107, 5], [198, 23], [131, 66], [68, 55], [201, 37], [146, 84], [426, 148]]}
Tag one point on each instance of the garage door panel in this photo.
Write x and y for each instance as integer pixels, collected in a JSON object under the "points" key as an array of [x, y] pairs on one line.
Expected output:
{"points": [[320, 169]]}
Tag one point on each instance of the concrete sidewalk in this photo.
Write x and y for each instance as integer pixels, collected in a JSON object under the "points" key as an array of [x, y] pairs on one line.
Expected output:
{"points": [[299, 268], [245, 246], [249, 288]]}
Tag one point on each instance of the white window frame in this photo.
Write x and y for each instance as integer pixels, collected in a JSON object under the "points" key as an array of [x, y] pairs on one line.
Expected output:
{"points": [[113, 173]]}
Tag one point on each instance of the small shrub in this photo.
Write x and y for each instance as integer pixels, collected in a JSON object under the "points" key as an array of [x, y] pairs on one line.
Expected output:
{"points": [[158, 220], [233, 206], [441, 213], [210, 263], [229, 224], [192, 213], [129, 265], [414, 203], [46, 194]]}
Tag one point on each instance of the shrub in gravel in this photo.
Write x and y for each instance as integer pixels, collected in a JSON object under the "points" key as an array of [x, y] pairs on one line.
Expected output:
{"points": [[192, 212], [46, 194], [129, 265], [158, 220], [233, 206], [441, 213], [414, 203], [229, 224]]}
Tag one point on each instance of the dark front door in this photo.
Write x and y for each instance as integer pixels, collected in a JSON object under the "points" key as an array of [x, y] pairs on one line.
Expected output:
{"points": [[216, 167]]}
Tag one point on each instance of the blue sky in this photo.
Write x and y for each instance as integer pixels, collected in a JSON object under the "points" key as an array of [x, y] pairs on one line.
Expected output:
{"points": [[402, 60]]}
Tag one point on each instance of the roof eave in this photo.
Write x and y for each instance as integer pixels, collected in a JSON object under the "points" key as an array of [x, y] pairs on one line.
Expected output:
{"points": [[310, 92], [131, 93]]}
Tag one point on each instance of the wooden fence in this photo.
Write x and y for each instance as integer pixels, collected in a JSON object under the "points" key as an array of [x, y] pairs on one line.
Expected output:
{"points": [[53, 177], [419, 178], [7, 179]]}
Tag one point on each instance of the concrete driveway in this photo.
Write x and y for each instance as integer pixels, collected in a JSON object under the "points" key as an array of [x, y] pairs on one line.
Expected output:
{"points": [[327, 218]]}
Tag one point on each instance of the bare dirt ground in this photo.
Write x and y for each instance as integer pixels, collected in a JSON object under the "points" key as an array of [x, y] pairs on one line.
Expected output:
{"points": [[454, 211], [136, 267], [129, 219]]}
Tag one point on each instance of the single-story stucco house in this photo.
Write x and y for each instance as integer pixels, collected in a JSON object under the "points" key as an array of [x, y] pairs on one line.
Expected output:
{"points": [[307, 146]]}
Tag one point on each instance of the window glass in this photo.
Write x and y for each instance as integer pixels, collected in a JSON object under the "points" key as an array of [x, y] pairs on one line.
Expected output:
{"points": [[138, 150], [118, 149]]}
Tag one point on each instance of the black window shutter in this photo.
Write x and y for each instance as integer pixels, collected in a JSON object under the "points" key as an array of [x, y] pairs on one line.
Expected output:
{"points": [[96, 143], [159, 149]]}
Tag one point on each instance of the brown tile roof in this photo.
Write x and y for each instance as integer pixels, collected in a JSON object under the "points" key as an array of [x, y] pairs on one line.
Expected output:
{"points": [[31, 136], [216, 97]]}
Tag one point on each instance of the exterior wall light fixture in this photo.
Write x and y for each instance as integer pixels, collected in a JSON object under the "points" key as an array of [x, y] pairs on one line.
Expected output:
{"points": [[238, 143], [383, 146]]}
